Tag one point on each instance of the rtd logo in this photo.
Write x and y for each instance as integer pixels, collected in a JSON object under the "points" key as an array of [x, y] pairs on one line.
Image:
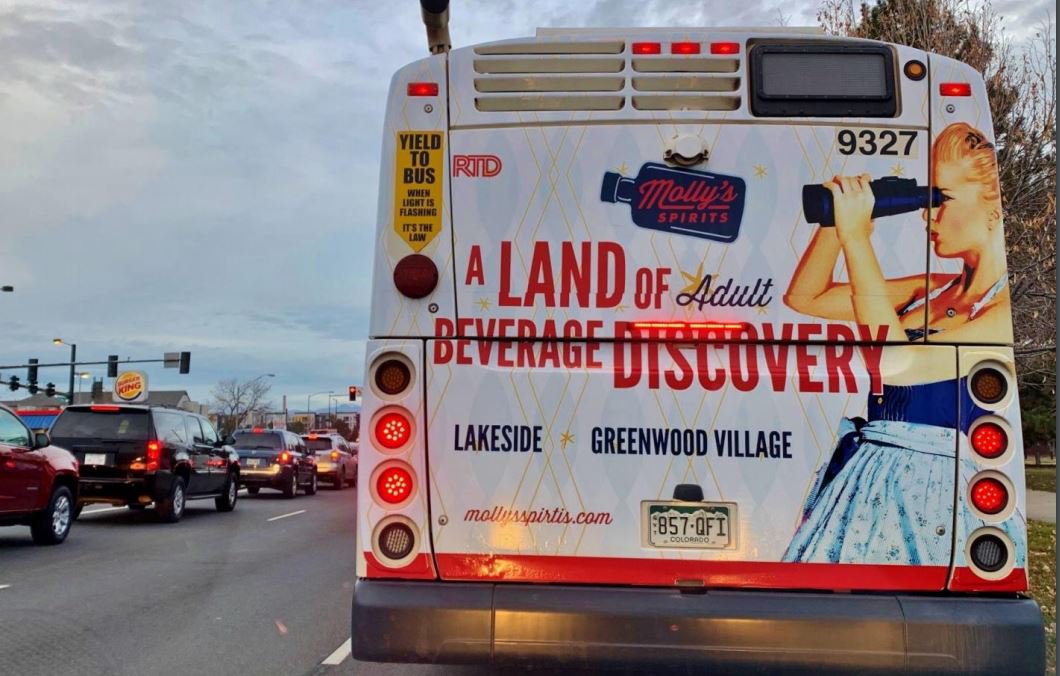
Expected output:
{"points": [[476, 166]]}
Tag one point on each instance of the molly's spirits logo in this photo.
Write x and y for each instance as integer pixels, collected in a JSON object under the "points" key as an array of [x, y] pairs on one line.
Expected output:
{"points": [[683, 201]]}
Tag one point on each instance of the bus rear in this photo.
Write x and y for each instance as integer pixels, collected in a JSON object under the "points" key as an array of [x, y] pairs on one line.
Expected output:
{"points": [[692, 346]]}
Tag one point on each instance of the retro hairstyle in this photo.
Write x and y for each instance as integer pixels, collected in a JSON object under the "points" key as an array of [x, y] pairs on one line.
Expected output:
{"points": [[962, 142]]}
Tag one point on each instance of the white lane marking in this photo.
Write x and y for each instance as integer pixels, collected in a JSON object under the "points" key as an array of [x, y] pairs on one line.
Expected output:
{"points": [[341, 653], [100, 511], [5, 586], [284, 516]]}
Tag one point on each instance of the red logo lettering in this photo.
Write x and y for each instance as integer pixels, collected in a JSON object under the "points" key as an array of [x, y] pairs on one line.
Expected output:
{"points": [[476, 166]]}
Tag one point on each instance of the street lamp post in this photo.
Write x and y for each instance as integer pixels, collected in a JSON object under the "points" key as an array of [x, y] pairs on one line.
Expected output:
{"points": [[307, 404], [73, 363], [264, 375], [80, 378]]}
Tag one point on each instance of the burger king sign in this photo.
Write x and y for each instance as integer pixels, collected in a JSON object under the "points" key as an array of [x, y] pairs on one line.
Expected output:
{"points": [[131, 386]]}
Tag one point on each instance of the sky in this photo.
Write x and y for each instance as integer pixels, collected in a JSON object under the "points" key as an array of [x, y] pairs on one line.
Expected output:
{"points": [[202, 175]]}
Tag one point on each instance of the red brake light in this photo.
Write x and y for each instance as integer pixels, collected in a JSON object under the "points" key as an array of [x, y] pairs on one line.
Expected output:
{"points": [[989, 439], [415, 276], [393, 430], [154, 454], [258, 430], [955, 89], [989, 495], [647, 48], [423, 89], [394, 485], [725, 48], [312, 437], [105, 408], [285, 458], [684, 48]]}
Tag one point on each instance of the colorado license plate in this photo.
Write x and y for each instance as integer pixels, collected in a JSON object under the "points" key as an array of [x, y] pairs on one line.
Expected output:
{"points": [[700, 525], [253, 462], [95, 459]]}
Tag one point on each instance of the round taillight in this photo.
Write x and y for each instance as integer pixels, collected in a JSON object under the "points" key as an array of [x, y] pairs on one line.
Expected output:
{"points": [[393, 430], [989, 495], [989, 385], [415, 276], [392, 376], [989, 439], [396, 541], [394, 485], [989, 553]]}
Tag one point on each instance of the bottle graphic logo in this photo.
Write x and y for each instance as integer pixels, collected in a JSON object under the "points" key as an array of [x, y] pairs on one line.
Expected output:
{"points": [[682, 201]]}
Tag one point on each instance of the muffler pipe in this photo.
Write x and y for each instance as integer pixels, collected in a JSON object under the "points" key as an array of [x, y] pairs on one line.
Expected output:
{"points": [[436, 19]]}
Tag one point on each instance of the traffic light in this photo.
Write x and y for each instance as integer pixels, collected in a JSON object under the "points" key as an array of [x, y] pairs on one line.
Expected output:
{"points": [[185, 362], [12, 383], [49, 390], [31, 371], [112, 366], [353, 393]]}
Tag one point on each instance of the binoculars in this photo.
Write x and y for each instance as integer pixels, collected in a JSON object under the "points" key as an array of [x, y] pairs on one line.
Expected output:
{"points": [[893, 196]]}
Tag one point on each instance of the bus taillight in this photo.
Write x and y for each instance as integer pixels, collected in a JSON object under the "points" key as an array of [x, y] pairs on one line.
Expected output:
{"points": [[725, 48], [955, 89], [394, 484], [647, 48], [392, 376], [393, 429], [415, 276], [989, 439], [423, 89], [684, 48], [989, 495]]}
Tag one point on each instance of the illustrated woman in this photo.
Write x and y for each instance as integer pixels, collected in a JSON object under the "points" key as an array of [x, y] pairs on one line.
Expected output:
{"points": [[886, 496]]}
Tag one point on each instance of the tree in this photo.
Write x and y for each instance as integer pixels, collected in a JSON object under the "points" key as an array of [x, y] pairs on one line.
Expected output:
{"points": [[1021, 86], [234, 401], [296, 426]]}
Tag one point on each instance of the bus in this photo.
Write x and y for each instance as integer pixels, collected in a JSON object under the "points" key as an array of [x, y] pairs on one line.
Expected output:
{"points": [[691, 346]]}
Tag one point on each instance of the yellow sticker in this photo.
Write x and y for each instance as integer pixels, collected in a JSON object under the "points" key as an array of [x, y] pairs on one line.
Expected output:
{"points": [[418, 186]]}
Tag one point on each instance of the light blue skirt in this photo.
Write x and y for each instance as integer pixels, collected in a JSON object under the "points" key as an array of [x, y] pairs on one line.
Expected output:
{"points": [[893, 501]]}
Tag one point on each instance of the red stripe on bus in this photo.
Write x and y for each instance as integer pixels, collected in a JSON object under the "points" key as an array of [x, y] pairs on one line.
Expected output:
{"points": [[668, 572], [967, 581], [421, 568]]}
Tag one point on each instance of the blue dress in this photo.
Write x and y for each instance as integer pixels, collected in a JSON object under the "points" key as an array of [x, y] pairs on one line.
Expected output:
{"points": [[887, 495]]}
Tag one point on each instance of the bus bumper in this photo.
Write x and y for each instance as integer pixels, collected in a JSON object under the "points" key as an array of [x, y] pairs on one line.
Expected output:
{"points": [[732, 631]]}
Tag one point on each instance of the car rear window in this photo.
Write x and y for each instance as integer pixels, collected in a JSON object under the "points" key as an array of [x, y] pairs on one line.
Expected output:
{"points": [[251, 440], [127, 424], [319, 444]]}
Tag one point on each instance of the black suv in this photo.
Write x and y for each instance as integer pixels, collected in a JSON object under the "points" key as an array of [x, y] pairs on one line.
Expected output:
{"points": [[138, 455], [275, 459]]}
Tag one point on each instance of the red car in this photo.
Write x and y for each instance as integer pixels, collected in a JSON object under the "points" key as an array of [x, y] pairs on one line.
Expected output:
{"points": [[38, 481]]}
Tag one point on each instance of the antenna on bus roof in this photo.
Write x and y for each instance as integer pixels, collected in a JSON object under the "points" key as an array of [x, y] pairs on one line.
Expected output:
{"points": [[436, 18]]}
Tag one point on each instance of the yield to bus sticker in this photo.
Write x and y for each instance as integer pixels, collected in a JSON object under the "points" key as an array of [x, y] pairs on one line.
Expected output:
{"points": [[682, 201], [418, 187]]}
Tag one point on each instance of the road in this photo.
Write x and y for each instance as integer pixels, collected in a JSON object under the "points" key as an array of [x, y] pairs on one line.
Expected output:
{"points": [[265, 589]]}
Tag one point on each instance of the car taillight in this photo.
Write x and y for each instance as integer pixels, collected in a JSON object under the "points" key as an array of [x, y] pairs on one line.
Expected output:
{"points": [[393, 430], [284, 459], [394, 485], [989, 495], [334, 455], [154, 455], [415, 276], [989, 385], [989, 439], [392, 376]]}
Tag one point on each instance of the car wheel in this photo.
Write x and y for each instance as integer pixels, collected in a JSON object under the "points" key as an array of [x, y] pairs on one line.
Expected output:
{"points": [[227, 501], [311, 489], [291, 489], [340, 479], [51, 525], [171, 509], [253, 490]]}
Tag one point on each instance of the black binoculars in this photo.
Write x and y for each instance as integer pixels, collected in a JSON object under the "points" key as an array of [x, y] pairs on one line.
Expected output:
{"points": [[893, 196]]}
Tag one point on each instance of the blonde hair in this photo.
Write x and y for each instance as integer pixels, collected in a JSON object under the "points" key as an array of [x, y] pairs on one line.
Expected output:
{"points": [[961, 142]]}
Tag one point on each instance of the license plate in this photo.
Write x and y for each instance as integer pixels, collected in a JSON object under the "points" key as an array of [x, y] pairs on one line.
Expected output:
{"points": [[253, 462], [95, 459], [700, 525]]}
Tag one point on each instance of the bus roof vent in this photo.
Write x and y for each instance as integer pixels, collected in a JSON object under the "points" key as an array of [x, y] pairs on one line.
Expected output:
{"points": [[606, 74]]}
